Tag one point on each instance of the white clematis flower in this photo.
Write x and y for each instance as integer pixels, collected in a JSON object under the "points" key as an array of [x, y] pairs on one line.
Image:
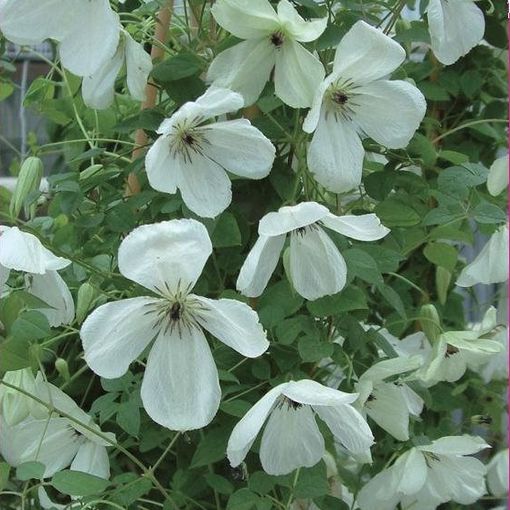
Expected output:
{"points": [[291, 438], [428, 475], [497, 474], [56, 442], [490, 265], [356, 99], [98, 89], [14, 406], [21, 251], [455, 26], [180, 388], [88, 31], [390, 404], [316, 266], [194, 156], [497, 180], [272, 41]]}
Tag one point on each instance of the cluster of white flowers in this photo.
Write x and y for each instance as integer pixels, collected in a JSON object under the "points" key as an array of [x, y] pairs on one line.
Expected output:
{"points": [[197, 146]]}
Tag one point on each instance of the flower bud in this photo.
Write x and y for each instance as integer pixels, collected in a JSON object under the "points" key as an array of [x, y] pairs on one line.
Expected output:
{"points": [[86, 296], [481, 419], [430, 322], [90, 171], [62, 368], [29, 180], [443, 279]]}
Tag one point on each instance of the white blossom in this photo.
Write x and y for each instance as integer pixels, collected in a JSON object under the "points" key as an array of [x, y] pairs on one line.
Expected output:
{"points": [[357, 99], [194, 156], [426, 476], [316, 267], [497, 180], [291, 437], [180, 388], [497, 474], [455, 26], [272, 41]]}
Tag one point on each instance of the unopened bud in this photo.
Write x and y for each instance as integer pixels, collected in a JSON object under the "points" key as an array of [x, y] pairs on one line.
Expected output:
{"points": [[90, 171], [430, 322], [28, 182], [481, 419], [443, 279], [62, 368], [86, 296]]}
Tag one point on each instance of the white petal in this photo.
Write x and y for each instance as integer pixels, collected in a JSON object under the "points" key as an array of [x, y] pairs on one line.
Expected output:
{"points": [[296, 26], [93, 459], [15, 406], [22, 251], [180, 388], [244, 433], [165, 256], [4, 276], [29, 22], [316, 266], [379, 117], [497, 179], [413, 400], [115, 334], [245, 68], [312, 119], [98, 89], [388, 408], [259, 265], [389, 367], [46, 502], [218, 101], [455, 26], [297, 75], [456, 445], [348, 427], [412, 469], [162, 166], [234, 323], [291, 217], [52, 442], [53, 290], [488, 267], [335, 155], [205, 187], [366, 227], [311, 392], [246, 19], [138, 65], [376, 493], [497, 474], [239, 148], [92, 39], [290, 440], [365, 54]]}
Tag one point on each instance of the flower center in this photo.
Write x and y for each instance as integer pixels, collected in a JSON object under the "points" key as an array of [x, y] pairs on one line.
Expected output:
{"points": [[187, 140], [301, 231], [277, 39], [340, 99], [450, 350], [288, 403]]}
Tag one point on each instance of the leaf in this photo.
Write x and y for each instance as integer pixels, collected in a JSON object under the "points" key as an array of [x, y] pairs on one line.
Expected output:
{"points": [[128, 417], [311, 349], [331, 503], [226, 233], [131, 491], [31, 325], [312, 482], [362, 265], [422, 147], [177, 67], [4, 474], [485, 212], [379, 184], [30, 470], [14, 354], [395, 212], [261, 482], [243, 499], [78, 483], [393, 299], [351, 298], [219, 483], [211, 448], [441, 254]]}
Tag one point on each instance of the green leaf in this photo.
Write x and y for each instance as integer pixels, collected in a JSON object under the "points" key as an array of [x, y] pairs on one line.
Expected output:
{"points": [[312, 482], [441, 254], [485, 212], [219, 483], [30, 470], [4, 474], [260, 482], [78, 483], [175, 68], [331, 503], [14, 354], [243, 499], [226, 233], [128, 417], [433, 91], [379, 184], [395, 212], [31, 325], [211, 448], [311, 349], [423, 148], [457, 158], [347, 300], [393, 299], [362, 265], [132, 490]]}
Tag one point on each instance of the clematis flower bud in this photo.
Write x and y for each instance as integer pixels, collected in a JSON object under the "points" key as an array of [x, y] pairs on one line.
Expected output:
{"points": [[29, 180], [431, 323]]}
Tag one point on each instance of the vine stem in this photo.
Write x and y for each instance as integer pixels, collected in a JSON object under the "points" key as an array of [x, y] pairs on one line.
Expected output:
{"points": [[151, 90], [465, 125], [147, 472]]}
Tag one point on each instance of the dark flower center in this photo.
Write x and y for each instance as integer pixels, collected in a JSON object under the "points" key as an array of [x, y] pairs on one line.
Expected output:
{"points": [[339, 97], [277, 39]]}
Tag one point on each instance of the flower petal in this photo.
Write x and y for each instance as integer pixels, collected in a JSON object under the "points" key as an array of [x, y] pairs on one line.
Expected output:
{"points": [[296, 26], [291, 217], [376, 494], [115, 334], [497, 179], [297, 75], [488, 267], [218, 101], [377, 114], [22, 251], [180, 388], [98, 89], [366, 227], [335, 154], [316, 266], [259, 265], [162, 166], [455, 26], [245, 68], [348, 426], [290, 440], [93, 459], [165, 256], [53, 290], [92, 39], [412, 469], [4, 276], [244, 433], [311, 392], [365, 54], [246, 19], [234, 323], [456, 445], [138, 65], [239, 148]]}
